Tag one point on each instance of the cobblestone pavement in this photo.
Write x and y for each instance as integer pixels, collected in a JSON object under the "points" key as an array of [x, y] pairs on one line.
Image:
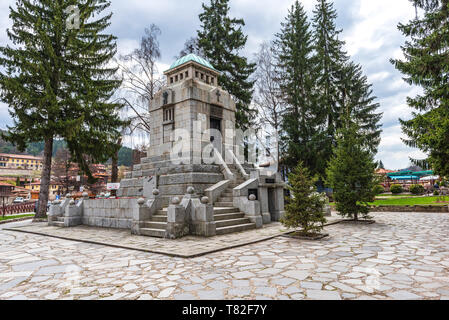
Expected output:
{"points": [[402, 256]]}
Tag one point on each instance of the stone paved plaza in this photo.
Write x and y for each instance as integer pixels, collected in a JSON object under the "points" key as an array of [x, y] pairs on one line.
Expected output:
{"points": [[402, 256]]}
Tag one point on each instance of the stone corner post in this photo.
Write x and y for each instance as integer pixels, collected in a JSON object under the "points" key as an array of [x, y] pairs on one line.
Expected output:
{"points": [[202, 220], [177, 226]]}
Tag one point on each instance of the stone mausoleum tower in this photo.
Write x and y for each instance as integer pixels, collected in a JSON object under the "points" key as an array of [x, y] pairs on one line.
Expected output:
{"points": [[192, 120]]}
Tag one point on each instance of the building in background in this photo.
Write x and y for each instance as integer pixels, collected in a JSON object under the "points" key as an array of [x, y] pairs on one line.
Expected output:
{"points": [[18, 161]]}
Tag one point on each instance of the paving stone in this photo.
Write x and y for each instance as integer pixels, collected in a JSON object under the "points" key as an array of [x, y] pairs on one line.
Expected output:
{"points": [[403, 295], [378, 261], [243, 275], [239, 292], [323, 295], [211, 294], [268, 291], [283, 281], [299, 275]]}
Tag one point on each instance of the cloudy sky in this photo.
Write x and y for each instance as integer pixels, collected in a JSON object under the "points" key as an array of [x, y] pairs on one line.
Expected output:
{"points": [[369, 29]]}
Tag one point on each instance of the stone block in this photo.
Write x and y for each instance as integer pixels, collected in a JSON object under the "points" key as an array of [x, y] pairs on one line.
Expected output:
{"points": [[176, 214], [203, 229], [203, 213], [176, 230], [123, 224], [124, 203], [72, 221], [266, 217], [106, 222]]}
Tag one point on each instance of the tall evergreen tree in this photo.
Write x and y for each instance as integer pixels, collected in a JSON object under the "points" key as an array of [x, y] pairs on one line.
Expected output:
{"points": [[221, 39], [351, 172], [331, 59], [356, 100], [296, 66], [57, 81], [426, 65]]}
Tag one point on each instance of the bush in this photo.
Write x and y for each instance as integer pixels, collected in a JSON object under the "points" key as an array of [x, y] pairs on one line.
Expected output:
{"points": [[396, 189], [436, 193], [378, 189], [306, 207], [417, 189]]}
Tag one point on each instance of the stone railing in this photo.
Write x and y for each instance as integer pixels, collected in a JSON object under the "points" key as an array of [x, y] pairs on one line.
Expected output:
{"points": [[223, 166], [248, 203], [238, 164], [214, 192]]}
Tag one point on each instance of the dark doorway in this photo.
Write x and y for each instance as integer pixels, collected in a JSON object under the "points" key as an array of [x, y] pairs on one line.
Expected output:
{"points": [[215, 135], [215, 124]]}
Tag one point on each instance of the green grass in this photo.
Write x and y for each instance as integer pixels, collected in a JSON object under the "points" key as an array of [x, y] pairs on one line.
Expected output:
{"points": [[409, 201], [16, 217], [401, 195]]}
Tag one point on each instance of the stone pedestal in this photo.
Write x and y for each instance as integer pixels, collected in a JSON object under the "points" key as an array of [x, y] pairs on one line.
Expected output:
{"points": [[177, 226], [202, 220]]}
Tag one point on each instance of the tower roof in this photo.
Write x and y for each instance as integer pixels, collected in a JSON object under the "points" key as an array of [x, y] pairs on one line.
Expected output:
{"points": [[189, 58]]}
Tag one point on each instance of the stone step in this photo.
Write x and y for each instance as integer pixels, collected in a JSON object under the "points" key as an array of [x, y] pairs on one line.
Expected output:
{"points": [[227, 194], [224, 204], [159, 218], [238, 228], [162, 212], [232, 222], [218, 210], [155, 225], [152, 232], [58, 224], [228, 216], [225, 199], [60, 219]]}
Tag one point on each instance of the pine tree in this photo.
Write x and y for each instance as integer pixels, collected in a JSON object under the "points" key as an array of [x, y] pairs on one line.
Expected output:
{"points": [[426, 65], [57, 81], [380, 165], [351, 172], [356, 101], [296, 66], [220, 39], [306, 207], [331, 59]]}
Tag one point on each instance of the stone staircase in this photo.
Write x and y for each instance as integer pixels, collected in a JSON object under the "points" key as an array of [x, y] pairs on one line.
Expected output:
{"points": [[228, 219], [157, 225], [59, 222]]}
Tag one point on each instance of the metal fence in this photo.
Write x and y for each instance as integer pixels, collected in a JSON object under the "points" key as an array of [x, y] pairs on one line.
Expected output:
{"points": [[17, 208]]}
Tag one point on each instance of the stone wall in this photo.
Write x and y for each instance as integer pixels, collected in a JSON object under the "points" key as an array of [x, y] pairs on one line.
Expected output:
{"points": [[109, 213], [418, 208]]}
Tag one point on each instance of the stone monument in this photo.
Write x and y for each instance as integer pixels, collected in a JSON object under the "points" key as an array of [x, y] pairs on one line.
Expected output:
{"points": [[194, 179]]}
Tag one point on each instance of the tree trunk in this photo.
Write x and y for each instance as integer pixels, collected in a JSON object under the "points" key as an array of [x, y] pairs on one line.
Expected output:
{"points": [[45, 180], [114, 170]]}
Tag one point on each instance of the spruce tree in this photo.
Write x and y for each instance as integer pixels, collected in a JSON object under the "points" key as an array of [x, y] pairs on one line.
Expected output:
{"points": [[356, 101], [331, 59], [220, 39], [306, 207], [296, 67], [57, 81], [351, 172], [426, 65]]}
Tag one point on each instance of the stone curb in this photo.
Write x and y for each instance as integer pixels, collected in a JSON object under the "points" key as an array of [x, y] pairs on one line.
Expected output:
{"points": [[15, 220], [170, 254]]}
